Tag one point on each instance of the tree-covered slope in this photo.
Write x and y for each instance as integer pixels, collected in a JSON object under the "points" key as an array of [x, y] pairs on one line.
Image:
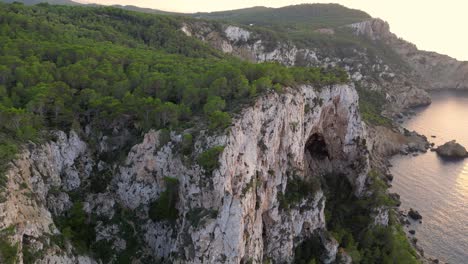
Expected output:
{"points": [[35, 2], [291, 18], [64, 67]]}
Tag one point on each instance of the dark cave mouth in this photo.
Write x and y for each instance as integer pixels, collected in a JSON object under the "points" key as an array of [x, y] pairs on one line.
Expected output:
{"points": [[317, 147]]}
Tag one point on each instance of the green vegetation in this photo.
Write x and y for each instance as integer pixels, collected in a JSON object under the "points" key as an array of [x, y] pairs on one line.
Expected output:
{"points": [[309, 251], [209, 160], [349, 220], [100, 180], [30, 255], [298, 189], [371, 104], [8, 250], [198, 216], [77, 228], [64, 67], [292, 18], [35, 2], [213, 109], [187, 144], [299, 24], [129, 231], [164, 208]]}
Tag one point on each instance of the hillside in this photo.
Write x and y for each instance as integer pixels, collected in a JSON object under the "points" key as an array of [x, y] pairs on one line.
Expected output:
{"points": [[291, 18], [35, 2], [125, 139]]}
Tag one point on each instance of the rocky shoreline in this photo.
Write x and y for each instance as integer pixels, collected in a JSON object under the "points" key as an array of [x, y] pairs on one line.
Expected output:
{"points": [[417, 144]]}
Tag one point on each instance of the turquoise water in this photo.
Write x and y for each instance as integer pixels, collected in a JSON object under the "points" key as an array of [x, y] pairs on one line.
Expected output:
{"points": [[438, 189]]}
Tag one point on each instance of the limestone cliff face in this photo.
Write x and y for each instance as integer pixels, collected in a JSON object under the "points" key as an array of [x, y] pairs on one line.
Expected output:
{"points": [[436, 71], [233, 215], [365, 68], [31, 199]]}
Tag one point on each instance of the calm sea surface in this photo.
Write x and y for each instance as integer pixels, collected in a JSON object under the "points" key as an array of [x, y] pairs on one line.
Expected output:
{"points": [[438, 189]]}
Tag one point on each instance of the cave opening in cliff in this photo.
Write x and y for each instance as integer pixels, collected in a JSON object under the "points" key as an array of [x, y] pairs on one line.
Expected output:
{"points": [[317, 147]]}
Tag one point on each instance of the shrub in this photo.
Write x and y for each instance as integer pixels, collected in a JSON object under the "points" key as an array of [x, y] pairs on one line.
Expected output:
{"points": [[197, 216], [164, 137], [209, 160], [219, 119], [309, 251], [349, 220], [214, 103], [76, 228], [187, 144], [8, 250], [100, 181], [164, 208], [298, 189], [371, 104]]}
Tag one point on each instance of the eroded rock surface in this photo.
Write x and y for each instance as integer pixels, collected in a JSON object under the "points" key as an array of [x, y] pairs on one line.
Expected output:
{"points": [[236, 214]]}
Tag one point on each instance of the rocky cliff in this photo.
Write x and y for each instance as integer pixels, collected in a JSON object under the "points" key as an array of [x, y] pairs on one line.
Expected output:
{"points": [[237, 210], [435, 71]]}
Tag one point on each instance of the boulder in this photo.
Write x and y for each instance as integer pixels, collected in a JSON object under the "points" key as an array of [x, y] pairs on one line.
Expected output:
{"points": [[413, 214], [452, 150]]}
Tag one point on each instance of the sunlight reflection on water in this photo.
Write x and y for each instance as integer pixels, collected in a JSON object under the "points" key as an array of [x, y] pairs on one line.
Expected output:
{"points": [[437, 188]]}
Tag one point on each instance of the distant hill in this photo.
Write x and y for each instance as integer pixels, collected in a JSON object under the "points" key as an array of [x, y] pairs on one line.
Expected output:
{"points": [[296, 17], [35, 2], [145, 10]]}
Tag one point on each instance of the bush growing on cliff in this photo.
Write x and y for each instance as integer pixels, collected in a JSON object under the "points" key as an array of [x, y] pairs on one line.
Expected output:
{"points": [[209, 160], [187, 144], [164, 208], [8, 250], [219, 119], [76, 227], [298, 189], [350, 220], [371, 105]]}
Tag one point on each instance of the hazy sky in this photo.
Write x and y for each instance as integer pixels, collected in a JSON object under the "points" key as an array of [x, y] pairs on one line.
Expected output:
{"points": [[433, 25]]}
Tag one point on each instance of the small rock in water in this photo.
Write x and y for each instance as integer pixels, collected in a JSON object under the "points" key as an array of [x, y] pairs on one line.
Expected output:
{"points": [[433, 136], [389, 177], [452, 150], [414, 214], [412, 232]]}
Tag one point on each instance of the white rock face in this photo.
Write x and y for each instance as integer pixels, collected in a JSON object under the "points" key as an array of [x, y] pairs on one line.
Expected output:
{"points": [[38, 170], [236, 33], [232, 215], [244, 191]]}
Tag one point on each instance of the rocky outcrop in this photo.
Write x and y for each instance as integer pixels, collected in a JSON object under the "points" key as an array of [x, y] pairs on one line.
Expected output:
{"points": [[31, 199], [245, 190], [435, 71], [234, 214], [413, 214], [452, 150], [384, 142]]}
